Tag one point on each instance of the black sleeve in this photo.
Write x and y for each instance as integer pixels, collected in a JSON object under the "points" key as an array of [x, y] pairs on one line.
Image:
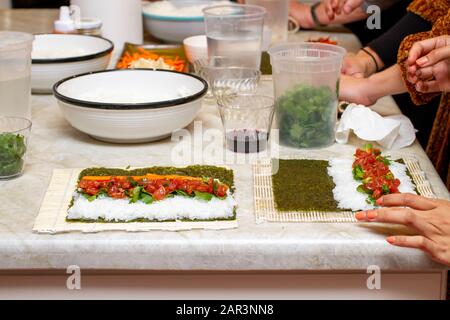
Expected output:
{"points": [[386, 45]]}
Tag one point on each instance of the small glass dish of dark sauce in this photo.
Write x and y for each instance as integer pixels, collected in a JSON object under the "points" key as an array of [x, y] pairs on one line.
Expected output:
{"points": [[247, 119]]}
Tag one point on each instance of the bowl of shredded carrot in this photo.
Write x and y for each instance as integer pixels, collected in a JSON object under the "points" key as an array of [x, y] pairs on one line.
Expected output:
{"points": [[170, 58]]}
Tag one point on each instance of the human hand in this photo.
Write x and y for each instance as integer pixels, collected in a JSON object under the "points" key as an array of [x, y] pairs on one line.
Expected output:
{"points": [[302, 14], [428, 65], [361, 65], [356, 90], [430, 217], [354, 66], [337, 7]]}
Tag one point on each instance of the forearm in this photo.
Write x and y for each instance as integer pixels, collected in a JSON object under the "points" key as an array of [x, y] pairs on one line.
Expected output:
{"points": [[385, 83], [371, 61]]}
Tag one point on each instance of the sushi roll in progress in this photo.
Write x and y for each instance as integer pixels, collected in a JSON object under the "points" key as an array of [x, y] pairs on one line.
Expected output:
{"points": [[151, 197]]}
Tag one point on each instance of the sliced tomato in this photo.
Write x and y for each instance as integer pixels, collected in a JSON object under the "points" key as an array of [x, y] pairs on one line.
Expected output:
{"points": [[160, 193]]}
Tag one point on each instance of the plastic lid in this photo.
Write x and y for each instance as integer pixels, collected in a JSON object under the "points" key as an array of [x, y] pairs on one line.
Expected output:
{"points": [[12, 40]]}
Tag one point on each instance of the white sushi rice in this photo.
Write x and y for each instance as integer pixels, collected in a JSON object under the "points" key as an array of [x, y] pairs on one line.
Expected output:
{"points": [[345, 192], [175, 208]]}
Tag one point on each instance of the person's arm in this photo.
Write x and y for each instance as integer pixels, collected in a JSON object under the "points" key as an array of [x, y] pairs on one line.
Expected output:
{"points": [[367, 91], [430, 217], [384, 48], [362, 64]]}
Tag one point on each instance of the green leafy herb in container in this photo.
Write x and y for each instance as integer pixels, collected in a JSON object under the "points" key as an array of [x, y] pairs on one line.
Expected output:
{"points": [[13, 145], [307, 116]]}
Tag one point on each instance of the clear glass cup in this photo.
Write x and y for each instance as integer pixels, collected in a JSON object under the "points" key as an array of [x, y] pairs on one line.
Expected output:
{"points": [[204, 68], [14, 134], [15, 72], [235, 31], [277, 18], [247, 119], [306, 83], [226, 82]]}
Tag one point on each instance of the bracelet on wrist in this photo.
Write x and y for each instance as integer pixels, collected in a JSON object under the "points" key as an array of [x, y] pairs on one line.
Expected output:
{"points": [[377, 67], [314, 15]]}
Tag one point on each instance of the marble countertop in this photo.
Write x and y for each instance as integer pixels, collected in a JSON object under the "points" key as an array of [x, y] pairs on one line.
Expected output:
{"points": [[266, 246], [252, 246]]}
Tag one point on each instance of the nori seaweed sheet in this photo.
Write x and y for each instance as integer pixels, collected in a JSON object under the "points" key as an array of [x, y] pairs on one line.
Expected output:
{"points": [[224, 175], [304, 185]]}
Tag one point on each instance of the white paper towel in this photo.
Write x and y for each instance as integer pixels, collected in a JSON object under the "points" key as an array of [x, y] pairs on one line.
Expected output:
{"points": [[391, 132]]}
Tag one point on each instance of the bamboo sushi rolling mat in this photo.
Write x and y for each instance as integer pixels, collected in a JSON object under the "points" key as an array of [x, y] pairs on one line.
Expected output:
{"points": [[265, 208], [52, 214]]}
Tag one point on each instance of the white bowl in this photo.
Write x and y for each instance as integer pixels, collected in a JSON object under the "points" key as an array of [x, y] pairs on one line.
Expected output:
{"points": [[196, 48], [132, 105], [58, 56], [174, 29]]}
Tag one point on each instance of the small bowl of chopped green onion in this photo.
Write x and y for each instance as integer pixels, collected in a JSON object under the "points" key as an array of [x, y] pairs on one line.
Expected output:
{"points": [[14, 133]]}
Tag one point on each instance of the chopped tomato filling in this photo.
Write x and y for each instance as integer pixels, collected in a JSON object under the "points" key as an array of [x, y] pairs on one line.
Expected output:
{"points": [[159, 187], [373, 170]]}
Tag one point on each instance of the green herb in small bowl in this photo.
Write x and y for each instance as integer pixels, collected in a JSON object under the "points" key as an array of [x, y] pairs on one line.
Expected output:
{"points": [[13, 145], [12, 152]]}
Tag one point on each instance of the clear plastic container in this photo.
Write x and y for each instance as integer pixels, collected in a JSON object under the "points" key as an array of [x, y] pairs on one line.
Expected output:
{"points": [[235, 31], [306, 83], [15, 71], [276, 19]]}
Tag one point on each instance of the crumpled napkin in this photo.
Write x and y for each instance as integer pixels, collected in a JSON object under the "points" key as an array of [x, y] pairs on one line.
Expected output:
{"points": [[391, 132]]}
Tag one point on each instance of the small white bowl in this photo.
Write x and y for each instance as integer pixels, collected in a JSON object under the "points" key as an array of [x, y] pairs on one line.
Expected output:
{"points": [[132, 105], [196, 48], [174, 29], [58, 56]]}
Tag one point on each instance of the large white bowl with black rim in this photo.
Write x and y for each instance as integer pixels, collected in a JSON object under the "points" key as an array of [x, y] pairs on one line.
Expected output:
{"points": [[58, 56], [132, 105]]}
